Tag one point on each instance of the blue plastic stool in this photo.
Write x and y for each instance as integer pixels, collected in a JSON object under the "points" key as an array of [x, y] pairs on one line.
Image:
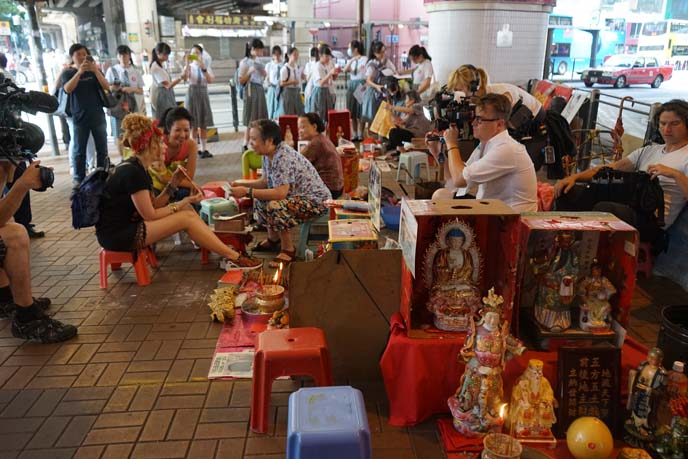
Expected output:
{"points": [[305, 233], [328, 422]]}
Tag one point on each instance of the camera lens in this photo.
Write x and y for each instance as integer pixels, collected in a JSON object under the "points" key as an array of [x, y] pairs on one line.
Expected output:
{"points": [[47, 178]]}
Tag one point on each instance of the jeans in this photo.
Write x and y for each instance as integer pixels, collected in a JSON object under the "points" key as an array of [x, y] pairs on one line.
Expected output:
{"points": [[82, 131]]}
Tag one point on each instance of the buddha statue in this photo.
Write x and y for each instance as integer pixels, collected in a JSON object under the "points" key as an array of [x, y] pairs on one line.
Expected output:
{"points": [[647, 384], [452, 266], [595, 309]]}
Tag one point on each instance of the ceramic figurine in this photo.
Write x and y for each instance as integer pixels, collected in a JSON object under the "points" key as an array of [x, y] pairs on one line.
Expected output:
{"points": [[452, 270], [646, 386], [556, 285], [475, 405], [595, 310], [532, 405]]}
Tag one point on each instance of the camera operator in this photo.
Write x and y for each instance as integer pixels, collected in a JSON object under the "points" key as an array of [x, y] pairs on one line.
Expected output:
{"points": [[669, 162], [29, 320], [83, 84], [500, 166]]}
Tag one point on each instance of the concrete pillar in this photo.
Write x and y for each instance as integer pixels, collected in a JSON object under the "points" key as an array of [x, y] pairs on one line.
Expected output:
{"points": [[112, 20], [301, 38], [466, 32], [136, 13]]}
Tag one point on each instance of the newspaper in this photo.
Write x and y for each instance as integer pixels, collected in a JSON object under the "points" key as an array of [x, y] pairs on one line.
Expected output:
{"points": [[232, 365]]}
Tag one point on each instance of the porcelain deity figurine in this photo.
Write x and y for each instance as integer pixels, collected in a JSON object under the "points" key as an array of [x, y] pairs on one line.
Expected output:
{"points": [[646, 386], [475, 405], [452, 270], [532, 405], [595, 309], [556, 284]]}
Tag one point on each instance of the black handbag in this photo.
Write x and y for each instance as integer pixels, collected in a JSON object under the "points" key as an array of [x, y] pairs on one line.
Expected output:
{"points": [[108, 99]]}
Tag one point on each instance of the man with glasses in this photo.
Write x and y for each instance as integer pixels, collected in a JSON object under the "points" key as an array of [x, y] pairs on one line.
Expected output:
{"points": [[500, 167]]}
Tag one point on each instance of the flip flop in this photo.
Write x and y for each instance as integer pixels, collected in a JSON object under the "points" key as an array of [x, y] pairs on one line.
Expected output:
{"points": [[284, 258], [267, 245]]}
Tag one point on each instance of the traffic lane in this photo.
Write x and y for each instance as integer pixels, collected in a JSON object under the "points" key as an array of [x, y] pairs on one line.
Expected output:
{"points": [[675, 88]]}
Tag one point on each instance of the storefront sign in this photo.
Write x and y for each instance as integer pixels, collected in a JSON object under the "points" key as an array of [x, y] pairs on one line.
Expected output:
{"points": [[5, 28], [133, 37], [221, 20]]}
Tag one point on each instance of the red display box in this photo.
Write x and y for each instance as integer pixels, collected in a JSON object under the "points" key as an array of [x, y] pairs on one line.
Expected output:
{"points": [[292, 122], [338, 124], [495, 226], [601, 236]]}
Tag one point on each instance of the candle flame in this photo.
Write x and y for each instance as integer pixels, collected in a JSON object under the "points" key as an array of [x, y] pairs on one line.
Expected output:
{"points": [[502, 410], [275, 278]]}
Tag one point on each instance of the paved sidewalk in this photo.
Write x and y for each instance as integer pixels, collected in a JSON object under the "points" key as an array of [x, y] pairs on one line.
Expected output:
{"points": [[133, 382]]}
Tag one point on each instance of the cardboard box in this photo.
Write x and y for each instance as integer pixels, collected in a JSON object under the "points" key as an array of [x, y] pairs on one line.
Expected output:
{"points": [[234, 223], [601, 236], [495, 228], [352, 234]]}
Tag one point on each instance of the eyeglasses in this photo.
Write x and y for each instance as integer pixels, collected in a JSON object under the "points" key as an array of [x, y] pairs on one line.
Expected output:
{"points": [[481, 120]]}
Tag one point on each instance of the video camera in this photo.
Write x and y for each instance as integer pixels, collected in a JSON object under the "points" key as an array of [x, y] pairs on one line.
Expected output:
{"points": [[21, 140], [444, 111]]}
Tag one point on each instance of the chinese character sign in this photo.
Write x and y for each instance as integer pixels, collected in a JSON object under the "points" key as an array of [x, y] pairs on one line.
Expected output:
{"points": [[220, 20], [589, 385]]}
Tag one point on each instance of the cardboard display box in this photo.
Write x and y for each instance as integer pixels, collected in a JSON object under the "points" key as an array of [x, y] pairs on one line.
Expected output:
{"points": [[352, 234], [598, 236], [495, 227]]}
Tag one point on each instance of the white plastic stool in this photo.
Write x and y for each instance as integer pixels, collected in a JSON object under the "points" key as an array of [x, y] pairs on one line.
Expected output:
{"points": [[412, 161]]}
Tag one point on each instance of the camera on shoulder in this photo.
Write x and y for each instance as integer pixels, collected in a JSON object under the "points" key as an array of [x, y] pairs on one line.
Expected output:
{"points": [[21, 140]]}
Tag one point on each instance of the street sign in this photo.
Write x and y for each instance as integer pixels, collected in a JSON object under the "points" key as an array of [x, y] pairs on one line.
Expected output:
{"points": [[133, 37], [5, 28], [392, 38]]}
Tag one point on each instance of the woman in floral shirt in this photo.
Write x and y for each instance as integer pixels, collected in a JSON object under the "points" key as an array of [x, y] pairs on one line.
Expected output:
{"points": [[289, 192]]}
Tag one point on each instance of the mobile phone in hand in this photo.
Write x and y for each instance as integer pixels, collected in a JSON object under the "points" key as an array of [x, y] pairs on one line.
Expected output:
{"points": [[90, 59]]}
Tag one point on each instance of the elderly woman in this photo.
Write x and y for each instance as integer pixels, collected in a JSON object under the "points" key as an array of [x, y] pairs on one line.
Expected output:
{"points": [[321, 152], [179, 150], [132, 218], [289, 192]]}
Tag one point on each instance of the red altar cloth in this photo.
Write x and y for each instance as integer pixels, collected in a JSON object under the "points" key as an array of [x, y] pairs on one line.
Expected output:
{"points": [[421, 374]]}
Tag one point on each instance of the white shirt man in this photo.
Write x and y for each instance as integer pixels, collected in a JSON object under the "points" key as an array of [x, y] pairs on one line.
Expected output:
{"points": [[500, 167]]}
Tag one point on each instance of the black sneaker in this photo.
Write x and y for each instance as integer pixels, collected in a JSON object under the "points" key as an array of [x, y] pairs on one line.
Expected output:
{"points": [[8, 309], [206, 154], [33, 234], [43, 329]]}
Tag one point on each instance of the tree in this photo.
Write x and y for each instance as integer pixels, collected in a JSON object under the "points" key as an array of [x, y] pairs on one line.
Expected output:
{"points": [[9, 8]]}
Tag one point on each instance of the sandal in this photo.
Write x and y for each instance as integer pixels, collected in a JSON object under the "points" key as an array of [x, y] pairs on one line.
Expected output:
{"points": [[244, 263], [283, 258], [267, 245]]}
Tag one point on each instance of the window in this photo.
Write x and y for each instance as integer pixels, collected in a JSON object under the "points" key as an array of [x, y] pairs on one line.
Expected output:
{"points": [[679, 28], [635, 29], [679, 50], [640, 62], [654, 28], [651, 62]]}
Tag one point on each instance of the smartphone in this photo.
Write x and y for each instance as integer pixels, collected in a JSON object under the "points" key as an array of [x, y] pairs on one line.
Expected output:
{"points": [[90, 59], [193, 57]]}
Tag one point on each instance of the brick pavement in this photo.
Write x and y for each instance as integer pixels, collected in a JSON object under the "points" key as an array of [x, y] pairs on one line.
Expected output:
{"points": [[133, 382]]}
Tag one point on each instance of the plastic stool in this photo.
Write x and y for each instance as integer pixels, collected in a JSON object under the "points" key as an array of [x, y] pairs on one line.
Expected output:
{"points": [[328, 422], [250, 163], [644, 260], [290, 352], [412, 161], [115, 260], [305, 233]]}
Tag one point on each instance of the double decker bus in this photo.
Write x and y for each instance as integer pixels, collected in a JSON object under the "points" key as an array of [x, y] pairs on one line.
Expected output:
{"points": [[571, 46], [665, 40]]}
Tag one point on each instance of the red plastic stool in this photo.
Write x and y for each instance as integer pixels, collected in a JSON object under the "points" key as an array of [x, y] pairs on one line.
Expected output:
{"points": [[644, 260], [215, 187], [115, 260], [295, 351]]}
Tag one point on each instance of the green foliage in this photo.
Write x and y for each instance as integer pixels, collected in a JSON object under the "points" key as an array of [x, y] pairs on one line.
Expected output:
{"points": [[10, 8]]}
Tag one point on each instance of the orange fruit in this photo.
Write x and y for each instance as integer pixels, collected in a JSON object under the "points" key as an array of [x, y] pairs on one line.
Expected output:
{"points": [[285, 320]]}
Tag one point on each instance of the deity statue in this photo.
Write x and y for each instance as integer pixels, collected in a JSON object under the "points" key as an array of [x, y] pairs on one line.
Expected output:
{"points": [[532, 405], [646, 386], [595, 310], [475, 405], [556, 284], [452, 269]]}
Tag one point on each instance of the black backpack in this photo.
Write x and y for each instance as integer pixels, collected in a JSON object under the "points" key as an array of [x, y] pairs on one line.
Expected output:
{"points": [[86, 199]]}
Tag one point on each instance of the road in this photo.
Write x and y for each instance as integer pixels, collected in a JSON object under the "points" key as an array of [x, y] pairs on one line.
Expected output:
{"points": [[635, 124]]}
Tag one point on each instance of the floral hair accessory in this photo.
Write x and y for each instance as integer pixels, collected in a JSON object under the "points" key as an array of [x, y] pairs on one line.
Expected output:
{"points": [[146, 137]]}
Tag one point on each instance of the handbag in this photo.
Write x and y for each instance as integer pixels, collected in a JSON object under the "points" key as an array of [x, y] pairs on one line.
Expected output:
{"points": [[63, 105], [107, 98]]}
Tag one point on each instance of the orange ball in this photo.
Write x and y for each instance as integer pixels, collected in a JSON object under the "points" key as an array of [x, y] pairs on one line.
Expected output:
{"points": [[589, 438]]}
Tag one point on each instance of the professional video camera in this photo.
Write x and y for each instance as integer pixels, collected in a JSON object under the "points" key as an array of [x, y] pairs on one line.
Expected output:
{"points": [[21, 140], [444, 111]]}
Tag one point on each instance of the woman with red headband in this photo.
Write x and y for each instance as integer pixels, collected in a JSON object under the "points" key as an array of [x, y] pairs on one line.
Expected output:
{"points": [[131, 217]]}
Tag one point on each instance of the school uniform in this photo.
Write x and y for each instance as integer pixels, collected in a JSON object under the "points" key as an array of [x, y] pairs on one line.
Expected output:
{"points": [[255, 106], [290, 102]]}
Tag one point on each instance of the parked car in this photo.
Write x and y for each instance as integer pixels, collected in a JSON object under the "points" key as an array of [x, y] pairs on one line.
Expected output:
{"points": [[622, 70]]}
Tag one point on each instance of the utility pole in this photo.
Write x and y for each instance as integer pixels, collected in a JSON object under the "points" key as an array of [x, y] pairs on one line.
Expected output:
{"points": [[37, 53]]}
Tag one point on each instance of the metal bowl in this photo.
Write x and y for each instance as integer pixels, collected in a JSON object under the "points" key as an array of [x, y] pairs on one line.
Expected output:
{"points": [[252, 314]]}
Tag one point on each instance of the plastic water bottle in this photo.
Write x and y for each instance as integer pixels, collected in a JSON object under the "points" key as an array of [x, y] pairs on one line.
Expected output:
{"points": [[677, 384]]}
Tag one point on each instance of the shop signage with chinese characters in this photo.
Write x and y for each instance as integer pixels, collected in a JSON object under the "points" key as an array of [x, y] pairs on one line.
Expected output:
{"points": [[221, 20]]}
